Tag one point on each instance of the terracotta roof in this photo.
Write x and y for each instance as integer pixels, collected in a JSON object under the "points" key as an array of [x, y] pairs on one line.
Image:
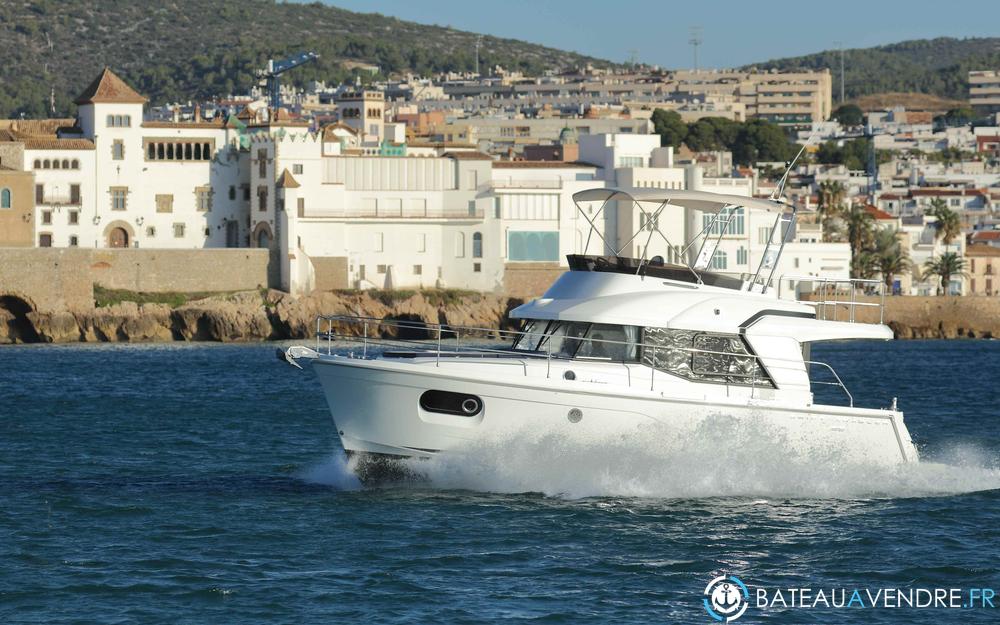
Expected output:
{"points": [[985, 235], [982, 249], [286, 181], [539, 164], [109, 88], [877, 213], [468, 156], [329, 128], [6, 135], [936, 192], [52, 143]]}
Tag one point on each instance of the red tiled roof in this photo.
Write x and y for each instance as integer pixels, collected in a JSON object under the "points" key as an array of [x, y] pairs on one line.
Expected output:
{"points": [[539, 164], [468, 156], [877, 213], [286, 181], [108, 87], [52, 143], [949, 192], [985, 235]]}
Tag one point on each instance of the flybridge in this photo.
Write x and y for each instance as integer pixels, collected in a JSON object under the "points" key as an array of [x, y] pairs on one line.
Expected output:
{"points": [[651, 203]]}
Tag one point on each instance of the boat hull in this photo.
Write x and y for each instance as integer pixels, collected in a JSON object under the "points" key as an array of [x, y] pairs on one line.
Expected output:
{"points": [[375, 405]]}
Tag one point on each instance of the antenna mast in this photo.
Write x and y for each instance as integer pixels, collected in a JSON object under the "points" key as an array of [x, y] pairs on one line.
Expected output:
{"points": [[840, 47], [695, 41], [479, 42]]}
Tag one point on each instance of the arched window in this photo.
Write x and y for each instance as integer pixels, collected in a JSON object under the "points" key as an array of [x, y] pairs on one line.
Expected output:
{"points": [[170, 151], [65, 163], [460, 245], [187, 151], [38, 163], [151, 152], [55, 164], [197, 151], [263, 239], [76, 164], [5, 198], [47, 165], [160, 154], [205, 152], [477, 245]]}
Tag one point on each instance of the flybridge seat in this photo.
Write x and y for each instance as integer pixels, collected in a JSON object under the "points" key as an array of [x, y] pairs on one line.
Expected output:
{"points": [[651, 268]]}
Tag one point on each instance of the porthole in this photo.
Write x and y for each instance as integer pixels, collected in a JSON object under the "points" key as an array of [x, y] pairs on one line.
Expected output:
{"points": [[447, 402]]}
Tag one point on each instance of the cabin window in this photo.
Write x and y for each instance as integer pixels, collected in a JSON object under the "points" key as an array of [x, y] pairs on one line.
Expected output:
{"points": [[702, 357]]}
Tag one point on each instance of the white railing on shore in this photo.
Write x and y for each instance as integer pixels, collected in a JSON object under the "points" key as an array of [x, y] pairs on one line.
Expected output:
{"points": [[368, 331]]}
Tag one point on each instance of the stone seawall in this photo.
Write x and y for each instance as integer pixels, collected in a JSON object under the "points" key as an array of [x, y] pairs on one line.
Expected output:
{"points": [[918, 317], [63, 279]]}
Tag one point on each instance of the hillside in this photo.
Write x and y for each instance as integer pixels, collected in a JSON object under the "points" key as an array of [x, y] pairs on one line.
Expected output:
{"points": [[933, 66], [177, 49]]}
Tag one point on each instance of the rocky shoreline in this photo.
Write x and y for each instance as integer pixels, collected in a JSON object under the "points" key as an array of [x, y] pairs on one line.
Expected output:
{"points": [[273, 315], [246, 316]]}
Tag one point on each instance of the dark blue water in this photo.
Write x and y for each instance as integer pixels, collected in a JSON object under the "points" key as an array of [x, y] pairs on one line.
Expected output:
{"points": [[204, 484]]}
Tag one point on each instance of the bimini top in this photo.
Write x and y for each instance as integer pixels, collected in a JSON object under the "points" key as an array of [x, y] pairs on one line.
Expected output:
{"points": [[696, 200]]}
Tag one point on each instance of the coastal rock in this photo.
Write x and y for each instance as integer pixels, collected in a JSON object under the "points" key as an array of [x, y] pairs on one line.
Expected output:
{"points": [[237, 317], [55, 327]]}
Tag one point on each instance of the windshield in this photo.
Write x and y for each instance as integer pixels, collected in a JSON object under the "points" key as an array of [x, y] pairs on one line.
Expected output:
{"points": [[575, 339]]}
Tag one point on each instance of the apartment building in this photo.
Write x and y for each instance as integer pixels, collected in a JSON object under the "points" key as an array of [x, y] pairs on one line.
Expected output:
{"points": [[984, 91], [795, 99], [983, 269]]}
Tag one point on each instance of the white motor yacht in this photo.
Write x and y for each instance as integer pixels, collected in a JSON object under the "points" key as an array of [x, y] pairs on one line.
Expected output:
{"points": [[614, 345]]}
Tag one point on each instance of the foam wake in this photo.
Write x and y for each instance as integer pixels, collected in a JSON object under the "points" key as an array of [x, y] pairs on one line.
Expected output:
{"points": [[335, 471], [727, 458]]}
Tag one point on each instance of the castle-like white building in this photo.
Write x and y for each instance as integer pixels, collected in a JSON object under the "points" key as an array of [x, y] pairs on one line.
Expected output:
{"points": [[346, 206]]}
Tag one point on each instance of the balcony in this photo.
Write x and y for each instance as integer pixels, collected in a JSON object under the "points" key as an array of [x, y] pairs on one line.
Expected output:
{"points": [[58, 200], [361, 213]]}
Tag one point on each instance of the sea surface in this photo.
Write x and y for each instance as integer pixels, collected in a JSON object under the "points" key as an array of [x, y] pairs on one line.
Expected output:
{"points": [[205, 484]]}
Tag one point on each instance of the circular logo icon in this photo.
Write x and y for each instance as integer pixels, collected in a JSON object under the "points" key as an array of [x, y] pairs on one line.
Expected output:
{"points": [[726, 598]]}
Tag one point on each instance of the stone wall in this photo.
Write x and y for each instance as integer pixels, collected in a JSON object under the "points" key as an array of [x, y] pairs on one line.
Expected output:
{"points": [[529, 279], [17, 223], [47, 278], [63, 279], [331, 272], [151, 270], [968, 316]]}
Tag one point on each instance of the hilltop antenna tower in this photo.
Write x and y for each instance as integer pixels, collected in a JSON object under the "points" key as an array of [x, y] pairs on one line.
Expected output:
{"points": [[479, 43], [695, 41]]}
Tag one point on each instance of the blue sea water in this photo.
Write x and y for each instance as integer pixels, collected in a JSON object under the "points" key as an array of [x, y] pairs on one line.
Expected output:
{"points": [[205, 484]]}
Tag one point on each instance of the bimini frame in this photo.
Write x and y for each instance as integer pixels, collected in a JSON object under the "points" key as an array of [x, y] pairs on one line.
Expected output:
{"points": [[652, 202]]}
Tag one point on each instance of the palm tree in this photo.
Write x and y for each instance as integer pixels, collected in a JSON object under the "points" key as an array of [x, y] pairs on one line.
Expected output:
{"points": [[947, 224], [944, 267], [831, 206], [860, 234], [891, 258]]}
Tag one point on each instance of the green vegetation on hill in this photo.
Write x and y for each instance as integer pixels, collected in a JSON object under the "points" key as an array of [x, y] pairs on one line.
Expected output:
{"points": [[180, 49], [750, 141], [934, 66]]}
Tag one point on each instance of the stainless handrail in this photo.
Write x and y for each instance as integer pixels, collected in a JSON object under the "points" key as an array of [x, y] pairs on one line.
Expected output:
{"points": [[365, 338], [825, 291]]}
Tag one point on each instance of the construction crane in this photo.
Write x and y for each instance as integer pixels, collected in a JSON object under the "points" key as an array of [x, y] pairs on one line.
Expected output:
{"points": [[271, 77]]}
